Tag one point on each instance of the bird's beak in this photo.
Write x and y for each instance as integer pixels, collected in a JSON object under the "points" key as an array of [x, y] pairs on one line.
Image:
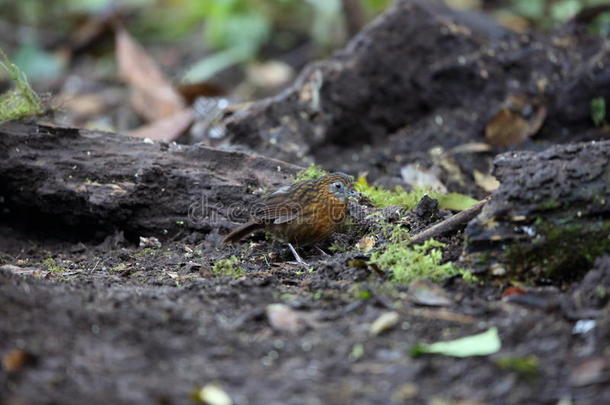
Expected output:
{"points": [[354, 194]]}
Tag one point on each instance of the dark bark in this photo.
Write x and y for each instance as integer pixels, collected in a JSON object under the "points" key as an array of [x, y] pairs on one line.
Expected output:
{"points": [[107, 181], [550, 216]]}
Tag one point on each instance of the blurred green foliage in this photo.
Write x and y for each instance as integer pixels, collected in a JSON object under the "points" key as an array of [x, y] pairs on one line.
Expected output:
{"points": [[547, 13], [21, 102], [232, 31], [598, 111]]}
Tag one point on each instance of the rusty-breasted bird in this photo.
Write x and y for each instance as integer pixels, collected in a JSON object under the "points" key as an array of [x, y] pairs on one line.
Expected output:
{"points": [[302, 213]]}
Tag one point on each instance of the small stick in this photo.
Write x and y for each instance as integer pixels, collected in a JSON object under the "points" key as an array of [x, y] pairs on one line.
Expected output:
{"points": [[450, 223]]}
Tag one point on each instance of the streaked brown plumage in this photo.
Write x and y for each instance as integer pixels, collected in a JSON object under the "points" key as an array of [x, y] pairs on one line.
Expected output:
{"points": [[303, 213]]}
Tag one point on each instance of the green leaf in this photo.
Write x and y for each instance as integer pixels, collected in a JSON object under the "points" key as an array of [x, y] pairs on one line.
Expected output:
{"points": [[207, 67], [455, 201], [482, 344]]}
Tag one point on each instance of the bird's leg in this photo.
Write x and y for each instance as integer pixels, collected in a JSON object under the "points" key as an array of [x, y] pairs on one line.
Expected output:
{"points": [[296, 256]]}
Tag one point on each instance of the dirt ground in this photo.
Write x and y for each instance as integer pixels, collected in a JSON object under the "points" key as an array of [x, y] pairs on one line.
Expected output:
{"points": [[114, 323]]}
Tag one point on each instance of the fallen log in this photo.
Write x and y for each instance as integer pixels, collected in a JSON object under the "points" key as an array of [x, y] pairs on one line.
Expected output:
{"points": [[443, 73], [105, 181], [549, 218]]}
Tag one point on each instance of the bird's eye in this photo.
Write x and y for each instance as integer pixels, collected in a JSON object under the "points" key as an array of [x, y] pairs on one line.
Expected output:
{"points": [[338, 185]]}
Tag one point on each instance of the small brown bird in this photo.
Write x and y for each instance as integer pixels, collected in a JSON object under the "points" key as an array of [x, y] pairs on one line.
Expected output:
{"points": [[302, 213]]}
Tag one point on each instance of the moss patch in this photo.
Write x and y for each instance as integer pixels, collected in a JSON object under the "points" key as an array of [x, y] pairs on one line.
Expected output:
{"points": [[412, 262], [382, 197], [312, 172], [598, 111], [20, 102], [228, 267], [564, 248], [52, 266], [524, 367]]}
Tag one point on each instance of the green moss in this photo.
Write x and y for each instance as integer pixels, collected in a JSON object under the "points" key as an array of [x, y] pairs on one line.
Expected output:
{"points": [[312, 172], [382, 197], [145, 252], [119, 267], [21, 102], [469, 277], [549, 205], [413, 262], [598, 111], [524, 367], [563, 248], [52, 266], [228, 267]]}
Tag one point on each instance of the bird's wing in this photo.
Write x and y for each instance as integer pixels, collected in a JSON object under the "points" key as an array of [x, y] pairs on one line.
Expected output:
{"points": [[284, 204]]}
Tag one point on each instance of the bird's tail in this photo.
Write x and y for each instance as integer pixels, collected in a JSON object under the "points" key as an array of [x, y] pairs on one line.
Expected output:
{"points": [[243, 231]]}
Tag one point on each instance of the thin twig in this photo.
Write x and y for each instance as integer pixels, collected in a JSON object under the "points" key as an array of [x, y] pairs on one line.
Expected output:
{"points": [[450, 223]]}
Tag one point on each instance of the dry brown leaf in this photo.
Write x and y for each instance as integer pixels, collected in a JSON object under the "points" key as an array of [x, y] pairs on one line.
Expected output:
{"points": [[506, 128], [152, 96], [590, 371], [519, 119], [16, 360], [191, 91], [167, 129]]}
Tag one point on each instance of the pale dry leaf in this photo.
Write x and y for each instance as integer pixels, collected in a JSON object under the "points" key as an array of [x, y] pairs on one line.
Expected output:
{"points": [[425, 292], [486, 181], [151, 242], [385, 322], [284, 319], [151, 94], [417, 176], [212, 394], [270, 74], [470, 147], [365, 244]]}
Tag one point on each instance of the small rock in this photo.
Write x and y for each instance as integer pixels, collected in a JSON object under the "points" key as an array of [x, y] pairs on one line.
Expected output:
{"points": [[426, 208]]}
